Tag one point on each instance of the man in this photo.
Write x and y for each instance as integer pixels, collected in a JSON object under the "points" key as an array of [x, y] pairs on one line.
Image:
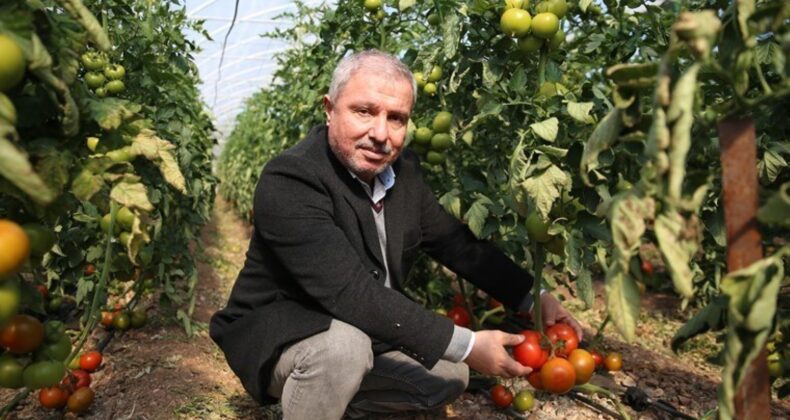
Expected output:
{"points": [[317, 317]]}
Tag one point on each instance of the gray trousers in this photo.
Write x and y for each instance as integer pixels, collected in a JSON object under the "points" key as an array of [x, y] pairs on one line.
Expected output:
{"points": [[335, 372]]}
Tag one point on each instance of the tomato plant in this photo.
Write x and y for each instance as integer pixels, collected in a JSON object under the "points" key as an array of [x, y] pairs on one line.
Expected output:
{"points": [[501, 396], [557, 376]]}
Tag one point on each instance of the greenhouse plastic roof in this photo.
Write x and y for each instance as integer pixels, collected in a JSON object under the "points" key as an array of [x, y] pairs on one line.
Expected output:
{"points": [[248, 62]]}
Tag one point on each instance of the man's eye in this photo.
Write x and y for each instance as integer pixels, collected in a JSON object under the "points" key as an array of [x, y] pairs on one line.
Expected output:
{"points": [[363, 111]]}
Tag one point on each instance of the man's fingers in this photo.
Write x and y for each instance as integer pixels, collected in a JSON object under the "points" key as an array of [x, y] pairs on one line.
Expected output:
{"points": [[515, 368], [512, 339]]}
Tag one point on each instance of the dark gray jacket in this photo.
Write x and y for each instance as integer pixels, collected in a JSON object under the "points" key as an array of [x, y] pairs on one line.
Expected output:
{"points": [[314, 255]]}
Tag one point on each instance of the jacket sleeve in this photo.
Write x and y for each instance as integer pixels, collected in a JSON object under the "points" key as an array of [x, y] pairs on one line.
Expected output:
{"points": [[294, 216], [451, 242]]}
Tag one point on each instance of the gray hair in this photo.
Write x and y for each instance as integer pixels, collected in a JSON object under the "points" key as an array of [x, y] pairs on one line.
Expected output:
{"points": [[384, 63]]}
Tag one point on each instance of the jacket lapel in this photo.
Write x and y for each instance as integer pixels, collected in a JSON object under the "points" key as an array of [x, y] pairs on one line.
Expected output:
{"points": [[354, 195], [394, 222]]}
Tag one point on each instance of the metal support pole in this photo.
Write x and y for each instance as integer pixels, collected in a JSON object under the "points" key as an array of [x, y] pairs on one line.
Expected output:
{"points": [[744, 244]]}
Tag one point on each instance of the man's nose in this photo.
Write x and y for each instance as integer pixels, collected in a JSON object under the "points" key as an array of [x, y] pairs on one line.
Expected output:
{"points": [[379, 130]]}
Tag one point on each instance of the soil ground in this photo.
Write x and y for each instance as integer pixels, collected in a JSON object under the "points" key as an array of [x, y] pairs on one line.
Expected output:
{"points": [[157, 372]]}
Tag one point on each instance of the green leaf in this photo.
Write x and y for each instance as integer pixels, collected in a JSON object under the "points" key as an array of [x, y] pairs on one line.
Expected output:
{"points": [[131, 195], [405, 4], [451, 201], [451, 30], [681, 115], [776, 210], [553, 151], [585, 288], [584, 4], [602, 138], [710, 318], [547, 129], [580, 111], [771, 165], [15, 167], [544, 187], [677, 240], [753, 293], [84, 286], [86, 184], [477, 214], [622, 301]]}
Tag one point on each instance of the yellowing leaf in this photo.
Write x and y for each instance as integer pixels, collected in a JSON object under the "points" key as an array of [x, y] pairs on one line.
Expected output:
{"points": [[580, 111], [15, 167], [547, 130], [131, 195], [543, 188]]}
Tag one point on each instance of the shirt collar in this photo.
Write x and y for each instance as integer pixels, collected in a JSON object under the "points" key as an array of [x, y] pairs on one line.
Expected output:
{"points": [[383, 182]]}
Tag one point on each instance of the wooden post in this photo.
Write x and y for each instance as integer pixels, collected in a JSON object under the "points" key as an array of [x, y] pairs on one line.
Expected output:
{"points": [[744, 244]]}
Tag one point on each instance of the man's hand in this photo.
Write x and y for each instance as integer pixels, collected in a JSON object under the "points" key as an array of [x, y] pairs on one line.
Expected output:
{"points": [[489, 357], [552, 312]]}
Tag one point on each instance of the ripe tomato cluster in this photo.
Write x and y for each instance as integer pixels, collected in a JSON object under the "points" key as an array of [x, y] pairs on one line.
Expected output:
{"points": [[557, 361]]}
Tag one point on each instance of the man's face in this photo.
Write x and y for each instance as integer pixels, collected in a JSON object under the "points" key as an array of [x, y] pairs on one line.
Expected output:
{"points": [[368, 122]]}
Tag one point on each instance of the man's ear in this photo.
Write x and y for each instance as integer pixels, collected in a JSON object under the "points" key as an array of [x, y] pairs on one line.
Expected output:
{"points": [[328, 108]]}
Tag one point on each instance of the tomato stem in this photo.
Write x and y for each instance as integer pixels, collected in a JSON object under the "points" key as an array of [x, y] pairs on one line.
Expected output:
{"points": [[544, 58], [489, 313], [21, 395], [539, 261], [592, 389], [92, 317]]}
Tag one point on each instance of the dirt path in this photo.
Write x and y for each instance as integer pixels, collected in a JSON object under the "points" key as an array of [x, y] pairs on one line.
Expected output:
{"points": [[158, 373]]}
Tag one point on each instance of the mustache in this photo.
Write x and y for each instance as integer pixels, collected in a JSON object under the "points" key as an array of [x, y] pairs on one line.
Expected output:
{"points": [[370, 145]]}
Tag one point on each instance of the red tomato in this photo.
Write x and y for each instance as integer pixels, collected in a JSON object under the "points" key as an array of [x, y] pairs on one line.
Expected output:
{"points": [[76, 379], [558, 376], [90, 361], [529, 352], [459, 316], [89, 269], [501, 396], [106, 318], [564, 338], [43, 290], [22, 334], [598, 358], [534, 379], [647, 267], [53, 397]]}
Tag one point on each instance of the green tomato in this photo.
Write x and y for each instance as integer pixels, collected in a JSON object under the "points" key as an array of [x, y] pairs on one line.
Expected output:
{"points": [[92, 61], [545, 25], [441, 141], [115, 86], [100, 92], [125, 218], [529, 44], [515, 22], [420, 79], [434, 20], [121, 321], [435, 158], [57, 351], [94, 80], [138, 318], [92, 142], [430, 89], [372, 5], [12, 63], [558, 7], [537, 228], [114, 71], [436, 74], [557, 40], [42, 239], [442, 122], [523, 401], [105, 224], [43, 374], [423, 135], [10, 372], [10, 297]]}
